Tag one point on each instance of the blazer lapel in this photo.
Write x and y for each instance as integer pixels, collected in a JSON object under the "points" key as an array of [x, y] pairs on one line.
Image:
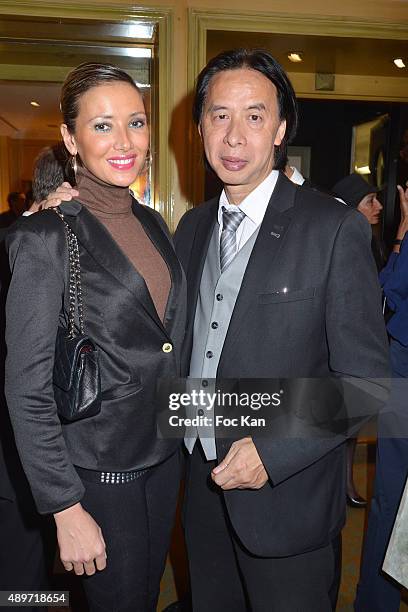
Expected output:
{"points": [[97, 240], [271, 237]]}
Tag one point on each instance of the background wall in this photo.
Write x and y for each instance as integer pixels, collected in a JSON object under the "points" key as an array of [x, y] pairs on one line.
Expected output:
{"points": [[393, 11], [326, 127]]}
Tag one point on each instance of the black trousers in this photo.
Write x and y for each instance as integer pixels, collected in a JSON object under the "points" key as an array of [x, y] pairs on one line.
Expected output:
{"points": [[136, 519], [23, 549], [226, 576]]}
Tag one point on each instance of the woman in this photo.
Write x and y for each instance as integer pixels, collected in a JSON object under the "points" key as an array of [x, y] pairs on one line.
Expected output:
{"points": [[109, 480], [359, 194], [376, 592]]}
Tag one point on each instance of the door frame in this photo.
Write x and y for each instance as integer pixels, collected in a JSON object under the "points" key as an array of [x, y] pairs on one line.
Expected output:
{"points": [[162, 18]]}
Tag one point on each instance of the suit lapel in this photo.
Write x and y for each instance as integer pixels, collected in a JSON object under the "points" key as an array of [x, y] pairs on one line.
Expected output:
{"points": [[271, 237], [98, 242], [201, 240]]}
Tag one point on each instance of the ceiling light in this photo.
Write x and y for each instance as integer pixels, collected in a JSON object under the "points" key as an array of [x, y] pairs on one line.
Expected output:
{"points": [[399, 63], [295, 57], [362, 169], [34, 103]]}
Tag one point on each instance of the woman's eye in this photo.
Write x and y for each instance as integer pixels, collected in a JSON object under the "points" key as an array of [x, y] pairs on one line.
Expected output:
{"points": [[221, 116], [102, 127], [138, 123]]}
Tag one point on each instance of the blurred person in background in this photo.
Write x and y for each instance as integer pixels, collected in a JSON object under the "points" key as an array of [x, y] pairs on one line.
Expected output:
{"points": [[17, 205], [356, 192], [359, 194], [27, 540]]}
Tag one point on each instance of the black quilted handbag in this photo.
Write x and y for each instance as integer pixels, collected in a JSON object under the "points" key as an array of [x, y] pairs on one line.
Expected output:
{"points": [[76, 377]]}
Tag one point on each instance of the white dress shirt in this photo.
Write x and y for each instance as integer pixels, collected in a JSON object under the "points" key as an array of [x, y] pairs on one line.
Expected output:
{"points": [[296, 177], [254, 206]]}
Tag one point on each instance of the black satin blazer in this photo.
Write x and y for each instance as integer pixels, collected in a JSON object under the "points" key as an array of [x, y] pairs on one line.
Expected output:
{"points": [[121, 319]]}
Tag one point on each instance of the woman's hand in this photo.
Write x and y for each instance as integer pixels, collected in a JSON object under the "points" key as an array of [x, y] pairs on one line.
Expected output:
{"points": [[403, 226], [403, 195], [80, 540], [64, 193]]}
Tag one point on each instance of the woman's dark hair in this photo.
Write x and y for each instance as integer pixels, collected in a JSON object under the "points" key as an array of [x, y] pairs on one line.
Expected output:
{"points": [[263, 62], [80, 80]]}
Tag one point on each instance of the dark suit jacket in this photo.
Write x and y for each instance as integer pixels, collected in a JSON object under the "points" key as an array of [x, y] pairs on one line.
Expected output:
{"points": [[120, 318], [327, 322]]}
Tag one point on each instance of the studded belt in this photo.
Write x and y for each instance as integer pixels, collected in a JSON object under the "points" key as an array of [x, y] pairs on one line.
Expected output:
{"points": [[112, 478]]}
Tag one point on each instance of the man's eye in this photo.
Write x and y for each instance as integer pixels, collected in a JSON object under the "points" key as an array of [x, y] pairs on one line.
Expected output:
{"points": [[137, 123], [255, 118], [102, 127], [221, 116]]}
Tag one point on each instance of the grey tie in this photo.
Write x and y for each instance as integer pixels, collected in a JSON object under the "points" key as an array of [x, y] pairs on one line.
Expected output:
{"points": [[228, 243]]}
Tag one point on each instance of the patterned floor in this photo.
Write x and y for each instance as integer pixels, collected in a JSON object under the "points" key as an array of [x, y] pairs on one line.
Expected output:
{"points": [[352, 540]]}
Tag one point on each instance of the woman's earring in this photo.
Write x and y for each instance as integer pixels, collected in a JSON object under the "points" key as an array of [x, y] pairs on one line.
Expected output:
{"points": [[74, 164], [147, 162]]}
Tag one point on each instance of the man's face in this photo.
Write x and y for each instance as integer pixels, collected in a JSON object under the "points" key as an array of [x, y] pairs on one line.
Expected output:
{"points": [[239, 127], [371, 208]]}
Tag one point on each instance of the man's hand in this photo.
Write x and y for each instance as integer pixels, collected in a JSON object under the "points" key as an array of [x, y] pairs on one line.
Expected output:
{"points": [[80, 541], [64, 193], [242, 467]]}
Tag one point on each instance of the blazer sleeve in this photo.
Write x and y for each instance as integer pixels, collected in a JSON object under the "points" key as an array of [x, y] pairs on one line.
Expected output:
{"points": [[358, 356], [33, 308]]}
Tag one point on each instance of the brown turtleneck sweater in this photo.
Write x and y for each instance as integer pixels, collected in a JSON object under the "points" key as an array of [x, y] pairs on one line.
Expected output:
{"points": [[112, 206]]}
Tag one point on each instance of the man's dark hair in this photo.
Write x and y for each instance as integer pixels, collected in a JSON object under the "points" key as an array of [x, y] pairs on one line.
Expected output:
{"points": [[51, 169], [263, 62]]}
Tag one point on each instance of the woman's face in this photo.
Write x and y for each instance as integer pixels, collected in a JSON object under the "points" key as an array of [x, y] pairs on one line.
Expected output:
{"points": [[371, 208], [111, 133]]}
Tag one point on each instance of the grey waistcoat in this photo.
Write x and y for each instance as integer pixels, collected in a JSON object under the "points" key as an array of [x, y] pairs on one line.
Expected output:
{"points": [[215, 304]]}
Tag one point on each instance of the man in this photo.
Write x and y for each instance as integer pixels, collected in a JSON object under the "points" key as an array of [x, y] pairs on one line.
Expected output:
{"points": [[273, 293]]}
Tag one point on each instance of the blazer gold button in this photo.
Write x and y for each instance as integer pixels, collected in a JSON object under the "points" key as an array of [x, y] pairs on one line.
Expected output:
{"points": [[167, 347]]}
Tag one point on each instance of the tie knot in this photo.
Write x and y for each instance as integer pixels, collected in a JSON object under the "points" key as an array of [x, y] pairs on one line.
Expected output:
{"points": [[231, 219]]}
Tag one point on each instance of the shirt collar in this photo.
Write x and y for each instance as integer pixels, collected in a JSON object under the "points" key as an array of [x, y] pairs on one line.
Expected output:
{"points": [[296, 177], [255, 204]]}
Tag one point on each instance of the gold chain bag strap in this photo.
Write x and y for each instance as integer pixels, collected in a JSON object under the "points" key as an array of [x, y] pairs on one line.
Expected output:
{"points": [[76, 377]]}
